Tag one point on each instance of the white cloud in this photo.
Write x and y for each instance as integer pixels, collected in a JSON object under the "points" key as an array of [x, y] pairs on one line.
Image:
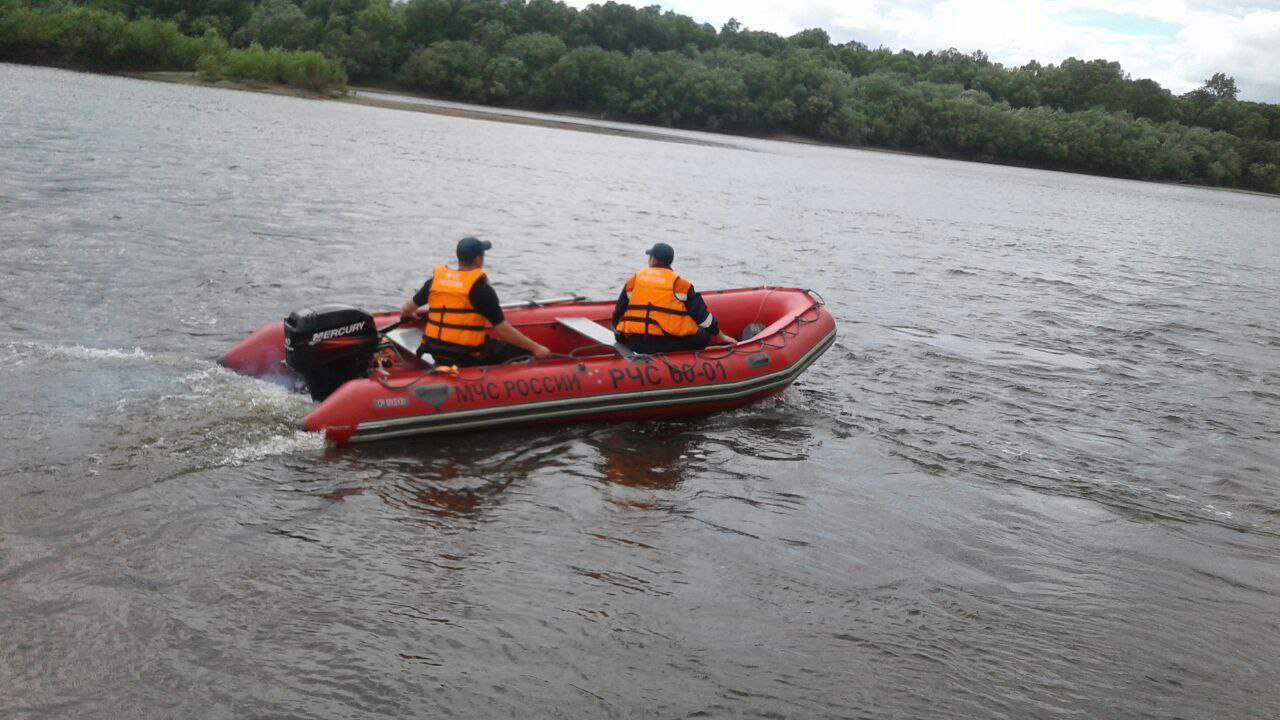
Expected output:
{"points": [[1246, 47], [1178, 43], [856, 14]]}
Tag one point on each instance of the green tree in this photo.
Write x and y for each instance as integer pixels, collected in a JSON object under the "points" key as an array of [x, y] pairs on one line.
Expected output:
{"points": [[536, 50], [426, 21], [275, 23], [505, 79], [375, 47], [550, 16], [813, 39], [491, 35], [454, 68], [471, 14], [754, 42], [588, 78], [1222, 87]]}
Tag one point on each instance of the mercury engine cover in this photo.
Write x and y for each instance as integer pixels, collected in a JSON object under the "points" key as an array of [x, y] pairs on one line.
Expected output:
{"points": [[328, 345]]}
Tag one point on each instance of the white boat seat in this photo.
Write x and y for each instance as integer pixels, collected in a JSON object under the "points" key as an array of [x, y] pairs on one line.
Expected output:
{"points": [[596, 332], [407, 340]]}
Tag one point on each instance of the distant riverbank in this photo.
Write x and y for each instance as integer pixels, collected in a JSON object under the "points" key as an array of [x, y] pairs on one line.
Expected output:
{"points": [[393, 100], [667, 72], [398, 100]]}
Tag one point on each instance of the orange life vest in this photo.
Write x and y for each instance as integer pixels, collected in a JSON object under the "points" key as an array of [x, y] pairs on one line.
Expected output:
{"points": [[450, 316], [655, 305]]}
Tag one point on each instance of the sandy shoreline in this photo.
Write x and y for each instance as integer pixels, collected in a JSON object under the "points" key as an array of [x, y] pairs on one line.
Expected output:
{"points": [[562, 121], [415, 103]]}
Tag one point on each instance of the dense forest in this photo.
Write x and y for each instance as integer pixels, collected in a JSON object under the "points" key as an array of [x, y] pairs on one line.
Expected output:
{"points": [[650, 66]]}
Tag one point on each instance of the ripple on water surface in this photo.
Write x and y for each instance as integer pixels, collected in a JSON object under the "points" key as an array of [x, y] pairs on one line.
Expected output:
{"points": [[1034, 477]]}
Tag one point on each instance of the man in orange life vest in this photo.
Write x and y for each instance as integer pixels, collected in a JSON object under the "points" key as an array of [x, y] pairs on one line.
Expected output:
{"points": [[659, 311], [458, 304]]}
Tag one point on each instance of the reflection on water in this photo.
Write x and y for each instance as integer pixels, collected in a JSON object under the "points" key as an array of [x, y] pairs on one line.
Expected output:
{"points": [[451, 476], [459, 476], [644, 456], [1035, 477], [444, 488]]}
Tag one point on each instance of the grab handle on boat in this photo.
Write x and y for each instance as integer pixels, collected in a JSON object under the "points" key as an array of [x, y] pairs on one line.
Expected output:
{"points": [[507, 306], [392, 326], [545, 301]]}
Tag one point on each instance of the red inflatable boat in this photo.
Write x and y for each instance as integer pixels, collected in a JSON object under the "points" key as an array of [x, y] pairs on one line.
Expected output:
{"points": [[371, 386]]}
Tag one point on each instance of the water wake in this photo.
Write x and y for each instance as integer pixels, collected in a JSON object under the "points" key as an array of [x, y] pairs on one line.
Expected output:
{"points": [[137, 402]]}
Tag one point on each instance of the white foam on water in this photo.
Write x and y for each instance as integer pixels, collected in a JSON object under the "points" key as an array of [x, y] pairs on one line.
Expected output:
{"points": [[19, 353], [78, 352], [261, 416], [298, 441], [183, 406]]}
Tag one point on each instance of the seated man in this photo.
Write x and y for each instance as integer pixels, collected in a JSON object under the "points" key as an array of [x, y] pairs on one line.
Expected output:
{"points": [[458, 304], [659, 311]]}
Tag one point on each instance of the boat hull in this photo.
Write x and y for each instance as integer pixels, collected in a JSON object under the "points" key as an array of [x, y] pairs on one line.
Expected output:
{"points": [[588, 383]]}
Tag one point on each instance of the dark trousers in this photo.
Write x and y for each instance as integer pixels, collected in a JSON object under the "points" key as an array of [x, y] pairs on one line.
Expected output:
{"points": [[492, 352], [650, 344]]}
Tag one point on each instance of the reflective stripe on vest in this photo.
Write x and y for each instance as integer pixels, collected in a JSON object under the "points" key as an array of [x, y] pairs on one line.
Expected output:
{"points": [[450, 316], [654, 307]]}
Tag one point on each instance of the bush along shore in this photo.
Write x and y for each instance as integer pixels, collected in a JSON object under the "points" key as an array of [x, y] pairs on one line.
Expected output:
{"points": [[94, 39], [662, 68]]}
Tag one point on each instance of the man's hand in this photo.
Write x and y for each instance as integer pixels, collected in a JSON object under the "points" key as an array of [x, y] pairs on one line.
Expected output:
{"points": [[540, 352], [725, 339], [409, 311]]}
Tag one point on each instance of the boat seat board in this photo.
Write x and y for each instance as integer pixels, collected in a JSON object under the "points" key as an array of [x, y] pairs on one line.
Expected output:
{"points": [[407, 340], [595, 332]]}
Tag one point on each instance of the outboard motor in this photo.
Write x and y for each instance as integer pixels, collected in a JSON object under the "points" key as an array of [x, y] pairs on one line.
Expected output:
{"points": [[328, 345]]}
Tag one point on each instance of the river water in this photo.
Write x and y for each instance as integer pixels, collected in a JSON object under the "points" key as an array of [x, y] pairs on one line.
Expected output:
{"points": [[1035, 477]]}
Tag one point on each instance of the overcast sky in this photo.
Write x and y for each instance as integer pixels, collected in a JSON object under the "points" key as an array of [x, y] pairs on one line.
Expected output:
{"points": [[1177, 43]]}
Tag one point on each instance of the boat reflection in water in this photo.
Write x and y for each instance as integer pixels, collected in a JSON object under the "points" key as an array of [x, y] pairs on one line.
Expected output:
{"points": [[459, 478], [456, 479], [636, 458]]}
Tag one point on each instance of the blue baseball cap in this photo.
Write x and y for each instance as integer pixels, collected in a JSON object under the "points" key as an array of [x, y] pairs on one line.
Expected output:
{"points": [[470, 248], [661, 252]]}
